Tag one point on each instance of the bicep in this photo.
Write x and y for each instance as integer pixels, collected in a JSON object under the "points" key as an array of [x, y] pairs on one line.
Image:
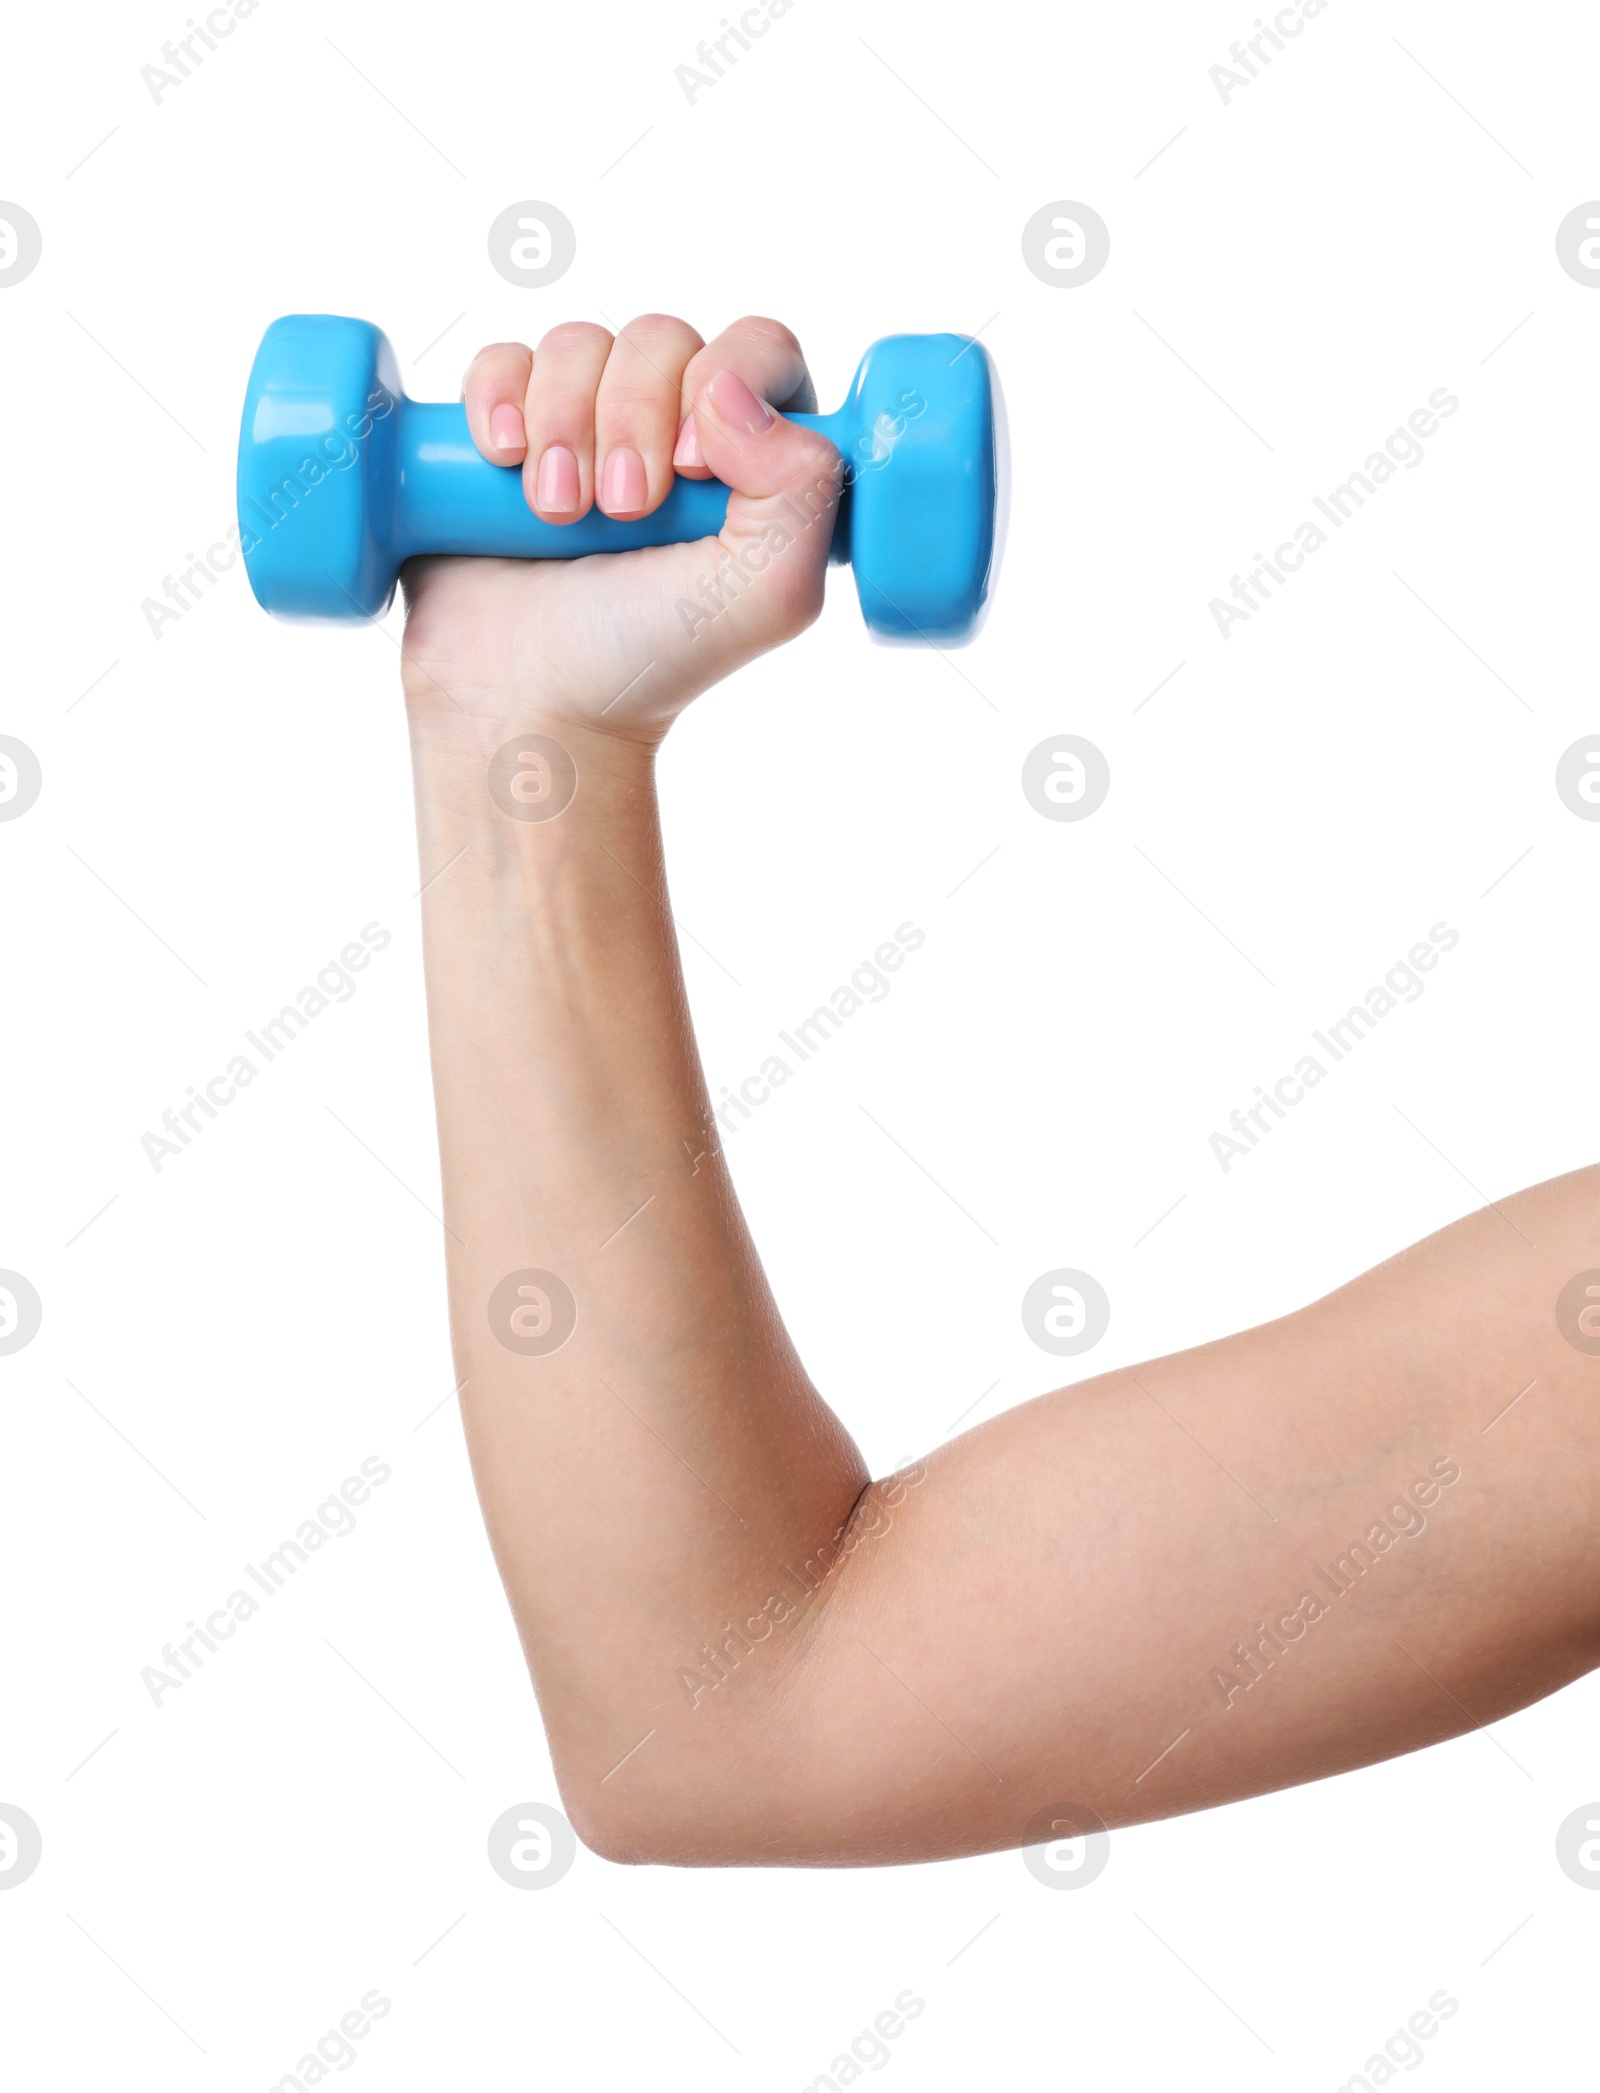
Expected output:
{"points": [[1298, 1550]]}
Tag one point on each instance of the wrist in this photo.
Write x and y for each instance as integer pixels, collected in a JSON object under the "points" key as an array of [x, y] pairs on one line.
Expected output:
{"points": [[525, 773]]}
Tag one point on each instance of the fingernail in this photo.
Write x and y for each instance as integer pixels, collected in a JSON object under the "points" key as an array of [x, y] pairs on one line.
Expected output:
{"points": [[688, 451], [622, 486], [736, 403], [557, 489], [505, 427]]}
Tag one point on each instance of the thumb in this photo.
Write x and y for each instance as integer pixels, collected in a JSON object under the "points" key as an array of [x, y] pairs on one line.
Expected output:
{"points": [[784, 483]]}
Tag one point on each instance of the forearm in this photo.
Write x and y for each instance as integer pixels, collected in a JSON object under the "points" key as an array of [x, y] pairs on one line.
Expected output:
{"points": [[642, 1482]]}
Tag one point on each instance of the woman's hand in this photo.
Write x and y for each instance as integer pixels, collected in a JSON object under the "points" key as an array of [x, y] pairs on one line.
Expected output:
{"points": [[620, 643]]}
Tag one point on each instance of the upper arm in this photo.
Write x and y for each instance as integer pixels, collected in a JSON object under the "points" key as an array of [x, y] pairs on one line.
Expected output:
{"points": [[1260, 1562]]}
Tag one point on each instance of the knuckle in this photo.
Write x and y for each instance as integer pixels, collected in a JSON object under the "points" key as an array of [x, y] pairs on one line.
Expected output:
{"points": [[631, 399], [659, 326], [818, 464], [575, 334], [563, 417], [758, 327], [817, 449], [494, 361]]}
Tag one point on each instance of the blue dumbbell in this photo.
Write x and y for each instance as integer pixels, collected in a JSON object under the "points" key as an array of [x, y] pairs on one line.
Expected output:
{"points": [[341, 477]]}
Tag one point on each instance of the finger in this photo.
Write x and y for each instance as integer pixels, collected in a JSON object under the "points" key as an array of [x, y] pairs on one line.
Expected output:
{"points": [[784, 483], [750, 446], [767, 356], [637, 413], [558, 477], [493, 390]]}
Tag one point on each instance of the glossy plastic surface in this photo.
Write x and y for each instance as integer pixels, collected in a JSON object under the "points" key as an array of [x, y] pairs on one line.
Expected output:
{"points": [[341, 477]]}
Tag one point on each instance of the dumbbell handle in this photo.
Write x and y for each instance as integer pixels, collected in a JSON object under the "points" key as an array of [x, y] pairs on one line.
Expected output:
{"points": [[449, 498]]}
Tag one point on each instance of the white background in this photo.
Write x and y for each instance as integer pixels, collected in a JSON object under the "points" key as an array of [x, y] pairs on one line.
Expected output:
{"points": [[230, 803]]}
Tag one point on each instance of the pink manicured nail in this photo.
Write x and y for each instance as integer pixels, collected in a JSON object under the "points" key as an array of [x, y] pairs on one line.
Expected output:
{"points": [[557, 489], [736, 403], [688, 451], [623, 487], [505, 427]]}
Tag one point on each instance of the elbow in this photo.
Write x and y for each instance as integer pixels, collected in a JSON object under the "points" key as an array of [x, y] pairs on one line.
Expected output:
{"points": [[676, 1831], [628, 1839], [648, 1821], [722, 1816]]}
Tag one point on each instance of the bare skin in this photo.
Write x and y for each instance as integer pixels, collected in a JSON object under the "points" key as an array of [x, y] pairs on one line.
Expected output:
{"points": [[1312, 1545]]}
